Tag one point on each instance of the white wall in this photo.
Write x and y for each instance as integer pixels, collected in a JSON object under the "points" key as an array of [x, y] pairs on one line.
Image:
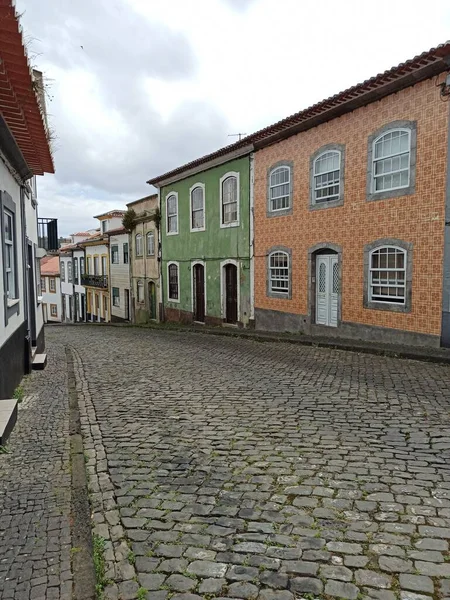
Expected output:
{"points": [[31, 216], [52, 298], [120, 275], [9, 184]]}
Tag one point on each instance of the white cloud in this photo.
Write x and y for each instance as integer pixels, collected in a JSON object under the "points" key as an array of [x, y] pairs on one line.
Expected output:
{"points": [[141, 87]]}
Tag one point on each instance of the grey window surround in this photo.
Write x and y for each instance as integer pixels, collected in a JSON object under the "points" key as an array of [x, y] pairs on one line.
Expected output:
{"points": [[332, 203], [405, 191], [408, 246], [269, 293], [284, 211], [6, 202], [115, 254]]}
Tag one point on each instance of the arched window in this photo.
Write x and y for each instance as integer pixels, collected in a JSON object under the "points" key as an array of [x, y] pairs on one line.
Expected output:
{"points": [[279, 273], [327, 177], [229, 198], [391, 160], [138, 244], [173, 282], [387, 275], [150, 243], [172, 214], [280, 188], [140, 292], [198, 208]]}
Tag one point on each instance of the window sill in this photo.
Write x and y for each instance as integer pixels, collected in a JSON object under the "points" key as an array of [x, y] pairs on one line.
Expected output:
{"points": [[227, 225], [12, 302], [39, 299]]}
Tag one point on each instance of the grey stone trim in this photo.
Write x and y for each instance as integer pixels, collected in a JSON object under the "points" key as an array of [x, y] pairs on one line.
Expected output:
{"points": [[277, 320], [445, 325], [321, 248], [285, 211], [411, 189], [269, 293], [7, 202], [340, 201], [408, 246]]}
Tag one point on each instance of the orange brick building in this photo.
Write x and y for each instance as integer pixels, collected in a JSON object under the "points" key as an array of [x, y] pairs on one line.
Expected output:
{"points": [[350, 211]]}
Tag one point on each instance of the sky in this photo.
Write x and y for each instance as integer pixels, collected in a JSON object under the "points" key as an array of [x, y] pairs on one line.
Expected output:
{"points": [[136, 88]]}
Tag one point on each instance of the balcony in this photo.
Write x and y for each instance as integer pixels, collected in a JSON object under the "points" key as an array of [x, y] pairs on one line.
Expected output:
{"points": [[48, 234], [98, 281]]}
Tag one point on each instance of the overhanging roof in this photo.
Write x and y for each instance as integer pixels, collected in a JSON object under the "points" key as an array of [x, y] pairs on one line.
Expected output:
{"points": [[20, 105], [423, 66]]}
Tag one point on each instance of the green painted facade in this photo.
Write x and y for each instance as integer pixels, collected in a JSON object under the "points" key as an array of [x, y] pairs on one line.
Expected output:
{"points": [[214, 246]]}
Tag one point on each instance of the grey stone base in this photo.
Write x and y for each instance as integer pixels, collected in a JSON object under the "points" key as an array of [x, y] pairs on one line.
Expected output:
{"points": [[13, 361], [273, 320]]}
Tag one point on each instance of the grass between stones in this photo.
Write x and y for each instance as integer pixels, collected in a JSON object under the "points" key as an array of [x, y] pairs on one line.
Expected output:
{"points": [[98, 545]]}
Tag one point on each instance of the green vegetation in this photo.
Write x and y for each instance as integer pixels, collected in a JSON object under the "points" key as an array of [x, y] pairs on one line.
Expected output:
{"points": [[99, 564]]}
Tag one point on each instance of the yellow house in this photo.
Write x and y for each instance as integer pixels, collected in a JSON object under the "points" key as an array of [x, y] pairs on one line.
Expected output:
{"points": [[96, 278]]}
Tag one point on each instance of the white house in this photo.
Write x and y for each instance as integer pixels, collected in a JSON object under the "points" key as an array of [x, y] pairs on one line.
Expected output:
{"points": [[51, 290], [24, 152], [119, 274]]}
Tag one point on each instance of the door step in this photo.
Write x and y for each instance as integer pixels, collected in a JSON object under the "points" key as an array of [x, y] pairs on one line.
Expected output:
{"points": [[33, 351], [39, 361], [8, 418]]}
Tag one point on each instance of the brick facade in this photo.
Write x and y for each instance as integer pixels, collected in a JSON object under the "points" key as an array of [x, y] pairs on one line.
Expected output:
{"points": [[417, 219]]}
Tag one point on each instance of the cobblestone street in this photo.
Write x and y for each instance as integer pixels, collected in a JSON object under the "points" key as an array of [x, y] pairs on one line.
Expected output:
{"points": [[226, 468]]}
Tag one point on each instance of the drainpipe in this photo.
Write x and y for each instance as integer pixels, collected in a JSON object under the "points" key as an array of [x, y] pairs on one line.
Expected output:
{"points": [[252, 239]]}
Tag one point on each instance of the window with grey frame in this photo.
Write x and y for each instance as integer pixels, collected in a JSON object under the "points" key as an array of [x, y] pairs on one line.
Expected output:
{"points": [[279, 277], [387, 275], [116, 297], [10, 254], [126, 256], [82, 271], [63, 271], [69, 271], [280, 188], [327, 177], [138, 241], [392, 161], [172, 214], [75, 271]]}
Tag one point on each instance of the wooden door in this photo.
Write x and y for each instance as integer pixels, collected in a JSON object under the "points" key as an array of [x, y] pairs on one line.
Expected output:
{"points": [[231, 302], [199, 293], [152, 299]]}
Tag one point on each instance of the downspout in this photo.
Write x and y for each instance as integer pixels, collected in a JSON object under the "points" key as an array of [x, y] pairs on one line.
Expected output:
{"points": [[160, 254], [252, 240], [26, 314]]}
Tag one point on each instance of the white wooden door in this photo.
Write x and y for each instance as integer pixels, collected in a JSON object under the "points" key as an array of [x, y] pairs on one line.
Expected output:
{"points": [[327, 286]]}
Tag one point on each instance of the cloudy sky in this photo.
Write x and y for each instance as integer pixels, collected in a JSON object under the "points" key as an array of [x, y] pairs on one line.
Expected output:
{"points": [[138, 87]]}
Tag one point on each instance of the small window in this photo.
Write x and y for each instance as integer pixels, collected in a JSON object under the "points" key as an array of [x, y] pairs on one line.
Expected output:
{"points": [[116, 297], [279, 188], [279, 273], [104, 226], [43, 288], [138, 244], [327, 177], [52, 284], [63, 271], [387, 277], [69, 271], [126, 259], [391, 161], [172, 214], [115, 255], [53, 310], [229, 193], [140, 292], [198, 208], [75, 266], [150, 243], [173, 282]]}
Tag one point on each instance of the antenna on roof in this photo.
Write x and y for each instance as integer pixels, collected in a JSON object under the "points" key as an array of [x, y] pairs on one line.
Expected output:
{"points": [[237, 135]]}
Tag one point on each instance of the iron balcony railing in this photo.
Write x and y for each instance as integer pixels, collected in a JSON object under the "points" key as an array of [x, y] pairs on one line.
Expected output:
{"points": [[100, 281], [48, 234]]}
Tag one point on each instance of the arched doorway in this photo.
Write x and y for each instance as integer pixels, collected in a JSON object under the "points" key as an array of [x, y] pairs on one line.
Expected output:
{"points": [[231, 293], [198, 274], [325, 285], [152, 299]]}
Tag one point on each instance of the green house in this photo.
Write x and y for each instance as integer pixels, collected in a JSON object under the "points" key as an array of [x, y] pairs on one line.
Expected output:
{"points": [[205, 241]]}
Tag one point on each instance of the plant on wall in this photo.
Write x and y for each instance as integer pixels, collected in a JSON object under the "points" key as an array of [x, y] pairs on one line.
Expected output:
{"points": [[129, 220]]}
